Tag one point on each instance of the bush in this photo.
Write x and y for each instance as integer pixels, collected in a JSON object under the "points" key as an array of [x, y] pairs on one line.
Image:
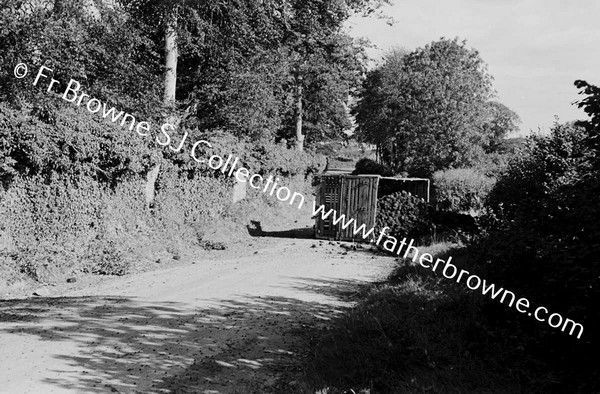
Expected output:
{"points": [[262, 157], [537, 215], [72, 192], [105, 258], [405, 215], [461, 190], [188, 201], [368, 166], [59, 216], [57, 226], [277, 159], [494, 164], [544, 244], [51, 223], [67, 141]]}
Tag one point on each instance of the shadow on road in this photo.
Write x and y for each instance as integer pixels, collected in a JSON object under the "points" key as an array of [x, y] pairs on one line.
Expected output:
{"points": [[253, 345], [255, 230]]}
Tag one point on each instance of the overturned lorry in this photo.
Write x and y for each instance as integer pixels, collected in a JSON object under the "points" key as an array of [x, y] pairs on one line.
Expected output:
{"points": [[355, 196]]}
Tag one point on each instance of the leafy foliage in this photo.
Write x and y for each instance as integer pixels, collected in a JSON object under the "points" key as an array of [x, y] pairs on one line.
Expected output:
{"points": [[429, 110], [461, 190], [110, 56], [105, 258], [544, 239], [241, 62], [54, 225], [262, 157], [72, 195], [405, 215], [547, 165], [591, 105], [368, 166], [499, 121], [71, 142]]}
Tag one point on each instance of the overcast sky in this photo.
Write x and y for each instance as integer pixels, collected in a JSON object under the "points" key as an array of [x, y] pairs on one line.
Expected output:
{"points": [[535, 49]]}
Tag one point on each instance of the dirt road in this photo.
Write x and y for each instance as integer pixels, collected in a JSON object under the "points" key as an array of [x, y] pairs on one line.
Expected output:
{"points": [[221, 326]]}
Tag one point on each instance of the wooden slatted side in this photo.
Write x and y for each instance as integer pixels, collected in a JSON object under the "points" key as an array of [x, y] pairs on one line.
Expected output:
{"points": [[352, 196], [329, 196], [361, 205], [372, 211], [418, 188]]}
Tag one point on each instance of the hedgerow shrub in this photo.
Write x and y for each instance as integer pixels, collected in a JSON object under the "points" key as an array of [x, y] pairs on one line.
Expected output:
{"points": [[104, 257], [544, 243], [278, 159], [462, 190], [73, 191], [53, 223], [60, 218], [535, 214], [493, 165], [58, 226], [368, 166], [405, 215], [189, 206], [67, 140], [262, 157]]}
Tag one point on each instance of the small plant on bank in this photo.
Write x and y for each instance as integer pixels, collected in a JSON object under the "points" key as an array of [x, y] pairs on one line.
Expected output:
{"points": [[106, 259]]}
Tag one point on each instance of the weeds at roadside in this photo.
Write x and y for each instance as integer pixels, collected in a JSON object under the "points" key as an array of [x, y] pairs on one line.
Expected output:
{"points": [[415, 333], [104, 258], [212, 245]]}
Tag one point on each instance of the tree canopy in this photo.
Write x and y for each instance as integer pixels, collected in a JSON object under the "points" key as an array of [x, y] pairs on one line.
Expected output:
{"points": [[240, 62], [430, 109]]}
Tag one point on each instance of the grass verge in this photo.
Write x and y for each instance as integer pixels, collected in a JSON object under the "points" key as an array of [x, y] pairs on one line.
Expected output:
{"points": [[422, 333]]}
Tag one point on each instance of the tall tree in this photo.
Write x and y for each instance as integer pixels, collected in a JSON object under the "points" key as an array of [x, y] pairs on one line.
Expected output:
{"points": [[432, 105], [326, 63], [307, 66], [163, 14], [161, 20], [499, 121]]}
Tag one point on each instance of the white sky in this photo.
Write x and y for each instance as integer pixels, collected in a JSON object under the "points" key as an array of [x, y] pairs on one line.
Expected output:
{"points": [[535, 49]]}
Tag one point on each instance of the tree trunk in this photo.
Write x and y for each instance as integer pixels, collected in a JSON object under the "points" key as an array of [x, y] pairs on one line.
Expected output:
{"points": [[170, 60], [150, 186], [299, 114], [170, 85]]}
